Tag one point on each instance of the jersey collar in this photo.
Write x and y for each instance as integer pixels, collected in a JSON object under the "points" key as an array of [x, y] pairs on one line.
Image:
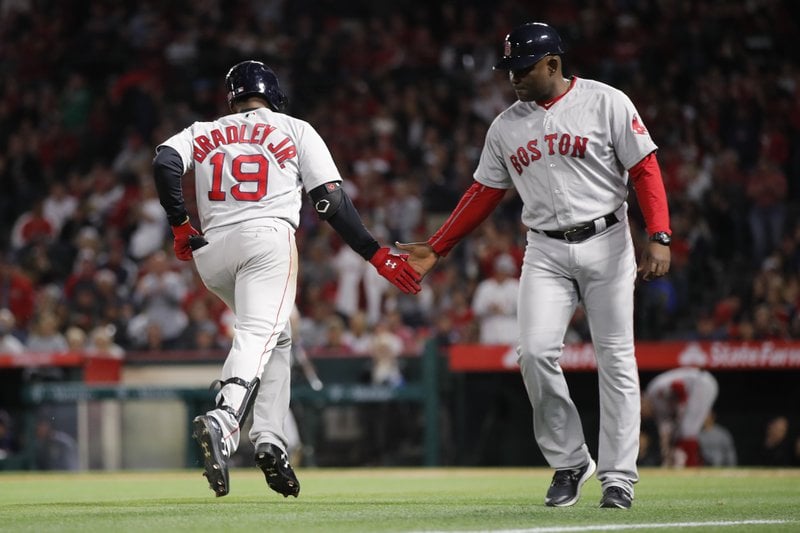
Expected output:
{"points": [[547, 104]]}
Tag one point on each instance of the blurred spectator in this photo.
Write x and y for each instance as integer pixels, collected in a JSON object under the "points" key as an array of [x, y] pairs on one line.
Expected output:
{"points": [[679, 401], [335, 340], [81, 292], [403, 211], [393, 321], [149, 221], [359, 334], [777, 447], [76, 339], [54, 449], [202, 332], [355, 284], [101, 342], [460, 314], [45, 335], [105, 192], [350, 269], [717, 447], [766, 189], [8, 440], [32, 227], [125, 270], [158, 296], [386, 350], [314, 324], [495, 303], [58, 205], [16, 293], [9, 344]]}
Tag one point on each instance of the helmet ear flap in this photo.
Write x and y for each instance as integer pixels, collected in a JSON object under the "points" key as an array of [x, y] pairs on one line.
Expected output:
{"points": [[277, 98]]}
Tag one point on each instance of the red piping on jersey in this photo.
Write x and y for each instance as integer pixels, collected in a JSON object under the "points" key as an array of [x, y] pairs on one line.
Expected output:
{"points": [[472, 209], [547, 104], [649, 188], [280, 306]]}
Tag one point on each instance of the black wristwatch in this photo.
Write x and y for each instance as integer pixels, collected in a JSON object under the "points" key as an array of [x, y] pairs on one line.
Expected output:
{"points": [[661, 237]]}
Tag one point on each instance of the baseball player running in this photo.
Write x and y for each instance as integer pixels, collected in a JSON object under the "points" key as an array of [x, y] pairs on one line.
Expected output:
{"points": [[569, 146], [250, 168]]}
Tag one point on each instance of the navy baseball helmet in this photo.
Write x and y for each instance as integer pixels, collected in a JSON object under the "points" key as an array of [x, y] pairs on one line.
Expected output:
{"points": [[253, 78], [527, 44]]}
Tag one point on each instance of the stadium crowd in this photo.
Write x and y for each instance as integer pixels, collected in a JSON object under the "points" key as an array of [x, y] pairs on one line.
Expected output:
{"points": [[403, 94]]}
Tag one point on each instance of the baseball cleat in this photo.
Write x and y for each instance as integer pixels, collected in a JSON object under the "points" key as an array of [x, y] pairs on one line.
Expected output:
{"points": [[565, 489], [275, 464], [208, 435], [615, 498]]}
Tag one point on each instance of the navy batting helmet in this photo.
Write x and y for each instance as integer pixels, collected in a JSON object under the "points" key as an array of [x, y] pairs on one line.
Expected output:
{"points": [[253, 78], [527, 44]]}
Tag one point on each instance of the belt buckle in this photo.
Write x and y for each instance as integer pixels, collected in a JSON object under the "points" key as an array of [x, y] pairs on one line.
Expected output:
{"points": [[572, 231], [579, 233]]}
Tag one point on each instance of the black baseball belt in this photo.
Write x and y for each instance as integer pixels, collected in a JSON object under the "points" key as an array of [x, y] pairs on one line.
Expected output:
{"points": [[581, 232]]}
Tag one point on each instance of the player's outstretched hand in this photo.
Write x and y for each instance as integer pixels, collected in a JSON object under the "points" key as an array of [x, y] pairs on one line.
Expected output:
{"points": [[395, 268], [182, 244], [420, 256]]}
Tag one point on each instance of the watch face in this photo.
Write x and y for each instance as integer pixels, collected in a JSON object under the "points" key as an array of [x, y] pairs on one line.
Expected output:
{"points": [[661, 237]]}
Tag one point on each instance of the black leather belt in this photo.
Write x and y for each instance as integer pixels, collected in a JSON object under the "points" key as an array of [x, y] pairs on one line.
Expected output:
{"points": [[581, 232]]}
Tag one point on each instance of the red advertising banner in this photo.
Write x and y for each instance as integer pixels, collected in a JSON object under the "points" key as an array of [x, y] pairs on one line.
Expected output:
{"points": [[768, 355]]}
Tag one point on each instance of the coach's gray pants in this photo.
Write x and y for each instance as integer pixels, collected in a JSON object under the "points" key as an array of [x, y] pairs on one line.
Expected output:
{"points": [[556, 276]]}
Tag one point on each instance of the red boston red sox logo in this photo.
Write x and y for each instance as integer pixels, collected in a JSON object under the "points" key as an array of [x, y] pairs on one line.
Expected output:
{"points": [[637, 126]]}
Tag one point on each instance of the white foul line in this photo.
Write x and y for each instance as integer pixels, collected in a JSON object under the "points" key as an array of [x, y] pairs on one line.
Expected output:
{"points": [[617, 527]]}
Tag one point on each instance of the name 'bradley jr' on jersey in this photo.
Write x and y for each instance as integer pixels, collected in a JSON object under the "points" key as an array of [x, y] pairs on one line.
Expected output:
{"points": [[244, 134]]}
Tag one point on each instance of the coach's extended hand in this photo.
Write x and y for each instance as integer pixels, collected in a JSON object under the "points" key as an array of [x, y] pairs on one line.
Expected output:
{"points": [[420, 256]]}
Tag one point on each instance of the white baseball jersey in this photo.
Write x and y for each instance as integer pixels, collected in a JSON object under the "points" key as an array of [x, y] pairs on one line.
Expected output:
{"points": [[569, 162], [248, 166]]}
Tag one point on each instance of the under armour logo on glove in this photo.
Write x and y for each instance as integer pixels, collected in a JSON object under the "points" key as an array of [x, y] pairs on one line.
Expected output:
{"points": [[397, 270]]}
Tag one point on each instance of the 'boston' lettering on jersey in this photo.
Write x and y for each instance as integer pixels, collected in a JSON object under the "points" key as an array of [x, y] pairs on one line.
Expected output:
{"points": [[203, 145], [566, 144]]}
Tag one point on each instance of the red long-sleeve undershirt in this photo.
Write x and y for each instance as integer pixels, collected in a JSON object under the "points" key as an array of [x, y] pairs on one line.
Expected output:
{"points": [[475, 205], [649, 187], [479, 201]]}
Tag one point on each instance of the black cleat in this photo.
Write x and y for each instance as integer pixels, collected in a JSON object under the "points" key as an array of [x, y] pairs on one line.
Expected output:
{"points": [[208, 435], [275, 464], [565, 490], [615, 498]]}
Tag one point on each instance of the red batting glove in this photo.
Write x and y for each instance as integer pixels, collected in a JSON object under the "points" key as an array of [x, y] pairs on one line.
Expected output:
{"points": [[181, 246], [397, 270]]}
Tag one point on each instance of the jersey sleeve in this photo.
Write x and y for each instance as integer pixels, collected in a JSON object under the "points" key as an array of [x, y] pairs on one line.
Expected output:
{"points": [[630, 138], [315, 160], [181, 142], [492, 170]]}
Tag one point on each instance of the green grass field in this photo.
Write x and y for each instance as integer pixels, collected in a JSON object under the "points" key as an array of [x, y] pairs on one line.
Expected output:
{"points": [[366, 500]]}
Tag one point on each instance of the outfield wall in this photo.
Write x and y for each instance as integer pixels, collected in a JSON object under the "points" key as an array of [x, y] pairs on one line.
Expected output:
{"points": [[134, 413]]}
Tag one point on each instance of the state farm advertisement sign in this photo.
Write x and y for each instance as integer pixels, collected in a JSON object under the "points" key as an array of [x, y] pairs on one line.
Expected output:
{"points": [[650, 356]]}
